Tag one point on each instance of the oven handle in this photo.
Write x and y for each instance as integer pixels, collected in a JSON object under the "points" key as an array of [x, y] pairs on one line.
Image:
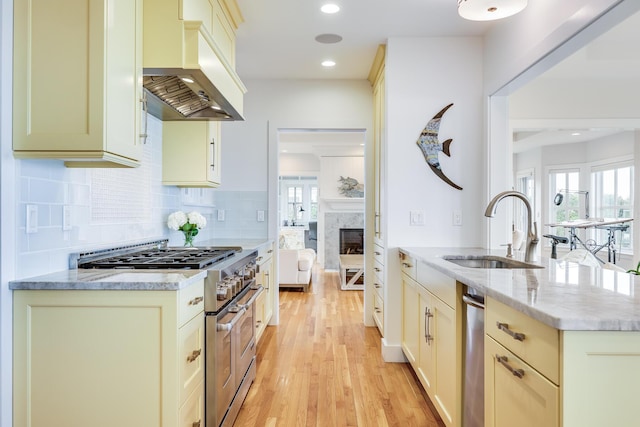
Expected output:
{"points": [[228, 326], [259, 289]]}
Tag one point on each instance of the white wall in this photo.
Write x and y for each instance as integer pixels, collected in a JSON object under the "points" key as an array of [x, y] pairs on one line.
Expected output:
{"points": [[332, 168]]}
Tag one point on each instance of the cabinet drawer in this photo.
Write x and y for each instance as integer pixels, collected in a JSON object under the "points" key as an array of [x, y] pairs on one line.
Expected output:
{"points": [[407, 264], [378, 254], [190, 302], [264, 253], [516, 394], [378, 312], [439, 284], [531, 340], [192, 356], [192, 411]]}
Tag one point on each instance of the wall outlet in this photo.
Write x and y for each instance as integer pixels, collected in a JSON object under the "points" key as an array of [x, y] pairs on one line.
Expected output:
{"points": [[416, 217], [457, 217], [220, 214], [66, 217], [260, 216], [32, 219]]}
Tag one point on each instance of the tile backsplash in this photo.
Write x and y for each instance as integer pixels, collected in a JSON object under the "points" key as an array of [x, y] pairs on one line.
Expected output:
{"points": [[109, 207]]}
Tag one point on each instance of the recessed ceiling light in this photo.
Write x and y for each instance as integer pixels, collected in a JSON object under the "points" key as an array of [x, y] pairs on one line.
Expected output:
{"points": [[330, 8], [328, 38], [328, 63]]}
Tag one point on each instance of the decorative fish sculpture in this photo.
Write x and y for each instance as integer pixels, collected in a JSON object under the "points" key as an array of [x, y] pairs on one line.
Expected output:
{"points": [[431, 146]]}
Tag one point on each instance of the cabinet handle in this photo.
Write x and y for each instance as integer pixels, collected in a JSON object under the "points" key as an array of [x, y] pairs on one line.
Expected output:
{"points": [[213, 154], [259, 259], [503, 360], [196, 301], [377, 309], [377, 285], [196, 424], [504, 327], [377, 253], [427, 325], [406, 265], [194, 355], [145, 110], [270, 251], [376, 269]]}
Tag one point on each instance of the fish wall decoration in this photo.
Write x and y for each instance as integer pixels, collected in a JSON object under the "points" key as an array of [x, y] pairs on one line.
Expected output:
{"points": [[431, 146]]}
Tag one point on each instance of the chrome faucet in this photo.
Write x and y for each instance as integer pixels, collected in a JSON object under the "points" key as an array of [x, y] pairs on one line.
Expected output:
{"points": [[532, 227]]}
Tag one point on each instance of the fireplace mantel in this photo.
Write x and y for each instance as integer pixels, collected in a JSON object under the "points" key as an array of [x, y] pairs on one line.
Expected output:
{"points": [[345, 203]]}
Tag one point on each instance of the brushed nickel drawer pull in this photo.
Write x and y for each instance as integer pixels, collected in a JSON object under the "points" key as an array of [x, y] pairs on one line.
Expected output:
{"points": [[406, 265], [377, 285], [503, 360], [376, 269], [504, 327], [196, 424], [194, 355], [196, 301], [427, 325]]}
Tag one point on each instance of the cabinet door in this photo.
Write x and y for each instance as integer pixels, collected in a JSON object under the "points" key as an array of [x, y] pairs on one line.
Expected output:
{"points": [[515, 393], [410, 320], [267, 282], [447, 365], [427, 358], [378, 168], [214, 140]]}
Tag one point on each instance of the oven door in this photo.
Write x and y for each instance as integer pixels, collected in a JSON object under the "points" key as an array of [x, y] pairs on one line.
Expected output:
{"points": [[245, 331]]}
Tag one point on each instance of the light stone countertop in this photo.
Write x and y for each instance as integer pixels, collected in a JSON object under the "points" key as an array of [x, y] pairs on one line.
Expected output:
{"points": [[111, 279], [564, 295]]}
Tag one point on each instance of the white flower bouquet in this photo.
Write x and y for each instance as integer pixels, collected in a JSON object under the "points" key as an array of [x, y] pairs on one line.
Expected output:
{"points": [[189, 224]]}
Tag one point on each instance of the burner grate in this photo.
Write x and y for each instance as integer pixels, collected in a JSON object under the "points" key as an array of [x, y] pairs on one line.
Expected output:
{"points": [[193, 258]]}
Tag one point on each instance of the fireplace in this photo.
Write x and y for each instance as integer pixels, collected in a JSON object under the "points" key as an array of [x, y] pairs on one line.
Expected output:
{"points": [[351, 241]]}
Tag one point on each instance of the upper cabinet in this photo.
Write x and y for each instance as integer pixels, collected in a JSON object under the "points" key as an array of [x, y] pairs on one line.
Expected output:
{"points": [[189, 59], [191, 154], [77, 82], [376, 77]]}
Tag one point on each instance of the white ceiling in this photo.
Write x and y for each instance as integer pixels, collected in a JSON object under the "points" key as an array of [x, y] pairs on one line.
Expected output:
{"points": [[276, 41]]}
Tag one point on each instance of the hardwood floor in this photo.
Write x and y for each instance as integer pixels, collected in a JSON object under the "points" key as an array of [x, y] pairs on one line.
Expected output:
{"points": [[322, 367]]}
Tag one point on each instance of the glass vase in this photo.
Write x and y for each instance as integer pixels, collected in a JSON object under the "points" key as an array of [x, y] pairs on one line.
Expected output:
{"points": [[188, 238]]}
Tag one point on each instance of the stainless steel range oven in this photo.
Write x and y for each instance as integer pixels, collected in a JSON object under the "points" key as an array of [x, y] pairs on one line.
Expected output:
{"points": [[230, 291]]}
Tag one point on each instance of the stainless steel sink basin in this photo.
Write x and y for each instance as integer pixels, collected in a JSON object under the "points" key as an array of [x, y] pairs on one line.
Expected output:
{"points": [[488, 261]]}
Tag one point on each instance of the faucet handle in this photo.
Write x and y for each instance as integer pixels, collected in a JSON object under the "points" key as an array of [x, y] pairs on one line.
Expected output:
{"points": [[509, 249]]}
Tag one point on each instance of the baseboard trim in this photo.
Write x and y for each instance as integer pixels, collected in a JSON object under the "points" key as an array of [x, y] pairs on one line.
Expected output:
{"points": [[392, 353]]}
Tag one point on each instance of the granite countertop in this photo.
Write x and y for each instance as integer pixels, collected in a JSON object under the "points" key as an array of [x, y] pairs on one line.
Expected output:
{"points": [[246, 244], [112, 279], [564, 295]]}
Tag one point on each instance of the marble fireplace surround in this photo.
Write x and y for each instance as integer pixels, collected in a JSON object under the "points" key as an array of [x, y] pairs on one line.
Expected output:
{"points": [[333, 222]]}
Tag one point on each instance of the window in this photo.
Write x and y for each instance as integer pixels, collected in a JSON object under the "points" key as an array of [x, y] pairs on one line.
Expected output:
{"points": [[613, 198], [566, 183], [313, 203], [525, 183], [294, 202]]}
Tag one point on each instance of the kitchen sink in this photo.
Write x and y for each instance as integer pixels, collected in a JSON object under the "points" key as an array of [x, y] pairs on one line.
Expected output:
{"points": [[488, 261]]}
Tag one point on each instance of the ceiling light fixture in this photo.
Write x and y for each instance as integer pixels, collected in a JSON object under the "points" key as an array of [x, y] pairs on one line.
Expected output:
{"points": [[328, 63], [330, 8], [488, 10]]}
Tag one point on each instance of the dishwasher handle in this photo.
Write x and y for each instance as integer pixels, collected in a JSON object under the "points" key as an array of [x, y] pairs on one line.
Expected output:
{"points": [[473, 300]]}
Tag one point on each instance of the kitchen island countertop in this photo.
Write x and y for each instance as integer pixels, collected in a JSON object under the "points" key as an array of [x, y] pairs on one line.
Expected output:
{"points": [[111, 279], [564, 295]]}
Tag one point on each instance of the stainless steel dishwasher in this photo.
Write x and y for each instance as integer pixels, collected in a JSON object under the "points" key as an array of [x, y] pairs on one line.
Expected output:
{"points": [[473, 388]]}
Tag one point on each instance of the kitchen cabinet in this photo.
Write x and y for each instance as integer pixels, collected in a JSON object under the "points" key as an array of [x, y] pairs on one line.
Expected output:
{"points": [[378, 286], [78, 82], [109, 358], [431, 334], [377, 79], [191, 153], [264, 277]]}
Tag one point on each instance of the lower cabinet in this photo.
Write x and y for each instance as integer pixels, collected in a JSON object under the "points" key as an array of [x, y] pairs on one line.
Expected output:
{"points": [[108, 358], [431, 340], [266, 300]]}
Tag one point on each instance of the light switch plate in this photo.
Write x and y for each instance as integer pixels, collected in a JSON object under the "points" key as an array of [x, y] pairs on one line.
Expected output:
{"points": [[220, 214], [260, 216], [66, 217], [416, 217], [457, 217]]}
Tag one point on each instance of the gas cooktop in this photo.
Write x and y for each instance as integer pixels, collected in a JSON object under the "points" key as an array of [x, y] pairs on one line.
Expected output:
{"points": [[170, 257]]}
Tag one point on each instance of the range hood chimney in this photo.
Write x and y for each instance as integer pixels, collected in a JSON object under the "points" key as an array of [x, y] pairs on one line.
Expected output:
{"points": [[186, 74]]}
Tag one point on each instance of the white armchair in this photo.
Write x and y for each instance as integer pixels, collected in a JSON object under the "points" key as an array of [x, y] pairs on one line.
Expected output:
{"points": [[295, 261]]}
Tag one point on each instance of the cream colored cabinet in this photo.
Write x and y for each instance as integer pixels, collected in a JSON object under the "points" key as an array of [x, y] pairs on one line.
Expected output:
{"points": [[78, 82], [266, 301], [378, 286], [109, 358], [191, 153], [377, 79], [431, 335], [521, 369]]}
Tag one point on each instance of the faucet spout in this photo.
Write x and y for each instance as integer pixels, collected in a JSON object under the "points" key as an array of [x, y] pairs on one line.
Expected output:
{"points": [[532, 227]]}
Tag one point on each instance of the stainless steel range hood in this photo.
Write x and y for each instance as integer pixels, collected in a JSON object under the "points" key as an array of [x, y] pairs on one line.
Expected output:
{"points": [[187, 76]]}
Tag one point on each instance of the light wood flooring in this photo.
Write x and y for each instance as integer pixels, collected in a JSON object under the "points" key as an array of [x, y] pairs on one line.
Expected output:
{"points": [[322, 367]]}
